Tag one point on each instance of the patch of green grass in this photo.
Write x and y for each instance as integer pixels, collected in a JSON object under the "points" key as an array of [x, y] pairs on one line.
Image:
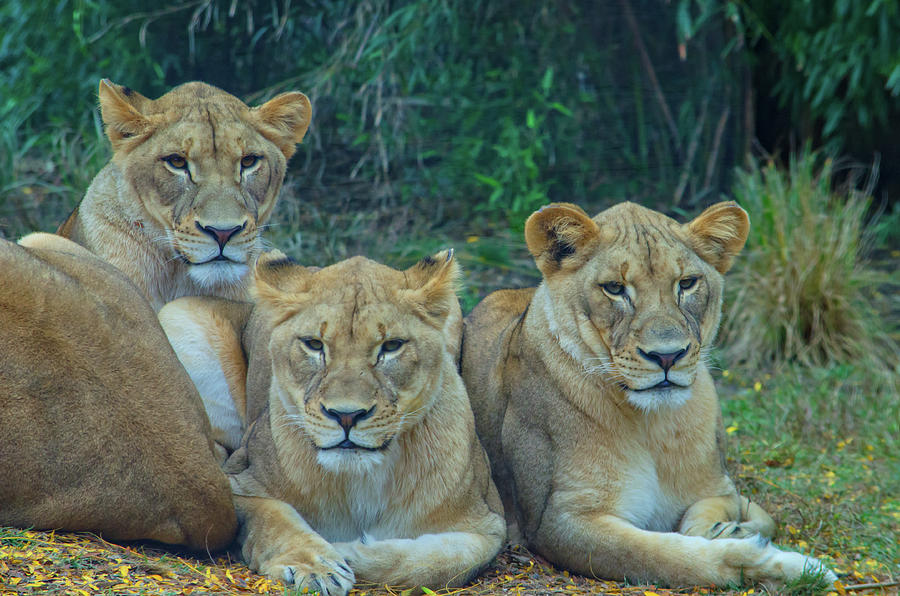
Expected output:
{"points": [[818, 449]]}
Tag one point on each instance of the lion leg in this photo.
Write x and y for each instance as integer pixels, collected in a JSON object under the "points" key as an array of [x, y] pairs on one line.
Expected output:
{"points": [[610, 547], [447, 559], [730, 516], [206, 338], [277, 542]]}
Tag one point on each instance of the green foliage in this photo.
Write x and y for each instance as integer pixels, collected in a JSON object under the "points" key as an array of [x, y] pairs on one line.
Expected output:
{"points": [[835, 64], [803, 290], [475, 111], [515, 182]]}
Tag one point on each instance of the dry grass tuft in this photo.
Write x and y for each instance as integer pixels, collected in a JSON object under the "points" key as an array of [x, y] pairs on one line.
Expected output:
{"points": [[803, 291]]}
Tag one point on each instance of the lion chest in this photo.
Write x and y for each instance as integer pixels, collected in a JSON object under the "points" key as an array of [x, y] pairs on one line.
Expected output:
{"points": [[358, 507], [644, 500]]}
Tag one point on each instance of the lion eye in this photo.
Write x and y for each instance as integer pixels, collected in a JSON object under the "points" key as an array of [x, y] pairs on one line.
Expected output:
{"points": [[392, 345], [312, 343], [688, 282], [176, 161], [248, 161], [613, 288]]}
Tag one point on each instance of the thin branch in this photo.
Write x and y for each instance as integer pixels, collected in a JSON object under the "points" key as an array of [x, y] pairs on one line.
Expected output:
{"points": [[150, 15], [873, 586], [692, 151], [651, 74], [717, 143]]}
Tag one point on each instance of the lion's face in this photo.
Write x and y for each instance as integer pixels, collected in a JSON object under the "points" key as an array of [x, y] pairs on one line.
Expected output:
{"points": [[357, 353], [206, 168], [635, 297]]}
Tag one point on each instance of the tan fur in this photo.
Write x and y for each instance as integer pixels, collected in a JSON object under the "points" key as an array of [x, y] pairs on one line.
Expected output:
{"points": [[100, 428], [157, 222], [409, 499], [603, 468]]}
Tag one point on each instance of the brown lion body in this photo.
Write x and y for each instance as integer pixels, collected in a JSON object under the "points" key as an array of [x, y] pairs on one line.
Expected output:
{"points": [[194, 174], [361, 458], [100, 428], [594, 403]]}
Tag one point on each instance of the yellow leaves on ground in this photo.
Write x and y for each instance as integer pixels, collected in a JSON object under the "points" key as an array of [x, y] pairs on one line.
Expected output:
{"points": [[83, 564]]}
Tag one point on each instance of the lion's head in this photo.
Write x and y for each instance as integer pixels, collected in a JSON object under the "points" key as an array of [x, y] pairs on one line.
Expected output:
{"points": [[205, 167], [634, 296], [358, 350]]}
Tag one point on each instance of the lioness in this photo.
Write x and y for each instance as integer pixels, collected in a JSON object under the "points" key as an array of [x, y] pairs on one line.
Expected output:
{"points": [[101, 429], [194, 174], [362, 453], [593, 400]]}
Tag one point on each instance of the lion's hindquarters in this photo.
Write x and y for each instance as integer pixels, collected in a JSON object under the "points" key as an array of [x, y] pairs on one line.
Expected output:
{"points": [[107, 431]]}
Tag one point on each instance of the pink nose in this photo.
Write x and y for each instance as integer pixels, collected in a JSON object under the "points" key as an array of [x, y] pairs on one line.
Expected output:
{"points": [[220, 236], [665, 361]]}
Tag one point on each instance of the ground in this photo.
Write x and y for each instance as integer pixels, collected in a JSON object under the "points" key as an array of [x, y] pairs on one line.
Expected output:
{"points": [[839, 503]]}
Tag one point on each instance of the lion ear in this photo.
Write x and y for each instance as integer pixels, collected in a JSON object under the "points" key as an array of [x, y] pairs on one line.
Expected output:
{"points": [[280, 283], [432, 282], [556, 233], [120, 108], [285, 119], [719, 233]]}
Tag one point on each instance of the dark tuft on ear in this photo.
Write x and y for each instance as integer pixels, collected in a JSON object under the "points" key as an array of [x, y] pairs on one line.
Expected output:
{"points": [[431, 284], [557, 232], [121, 111]]}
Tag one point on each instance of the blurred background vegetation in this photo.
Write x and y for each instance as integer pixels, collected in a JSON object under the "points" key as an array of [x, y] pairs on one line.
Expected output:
{"points": [[447, 122]]}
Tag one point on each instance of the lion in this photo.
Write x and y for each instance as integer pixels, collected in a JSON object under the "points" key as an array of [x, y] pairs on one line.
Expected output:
{"points": [[101, 429], [360, 457], [594, 403], [194, 176]]}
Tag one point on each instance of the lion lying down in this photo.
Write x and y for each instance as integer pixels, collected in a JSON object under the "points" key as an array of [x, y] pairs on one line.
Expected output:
{"points": [[595, 405], [100, 428], [361, 458]]}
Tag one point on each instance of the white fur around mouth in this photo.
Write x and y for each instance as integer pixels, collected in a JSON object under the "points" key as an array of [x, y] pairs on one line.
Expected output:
{"points": [[652, 399], [217, 273], [354, 461]]}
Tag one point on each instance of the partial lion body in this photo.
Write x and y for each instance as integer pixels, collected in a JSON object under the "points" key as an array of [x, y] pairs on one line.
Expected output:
{"points": [[102, 429], [600, 471], [416, 506], [194, 176]]}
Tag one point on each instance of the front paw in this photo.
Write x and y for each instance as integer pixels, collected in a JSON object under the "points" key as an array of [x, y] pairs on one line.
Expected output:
{"points": [[732, 529], [327, 576]]}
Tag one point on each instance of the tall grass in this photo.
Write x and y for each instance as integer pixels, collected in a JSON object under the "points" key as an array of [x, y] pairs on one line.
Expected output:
{"points": [[803, 289]]}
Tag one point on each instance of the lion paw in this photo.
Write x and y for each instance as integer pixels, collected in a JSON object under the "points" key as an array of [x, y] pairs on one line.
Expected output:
{"points": [[327, 577], [732, 529]]}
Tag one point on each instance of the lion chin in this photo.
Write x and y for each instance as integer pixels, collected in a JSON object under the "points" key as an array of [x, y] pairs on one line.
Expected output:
{"points": [[350, 461], [650, 400], [213, 274]]}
